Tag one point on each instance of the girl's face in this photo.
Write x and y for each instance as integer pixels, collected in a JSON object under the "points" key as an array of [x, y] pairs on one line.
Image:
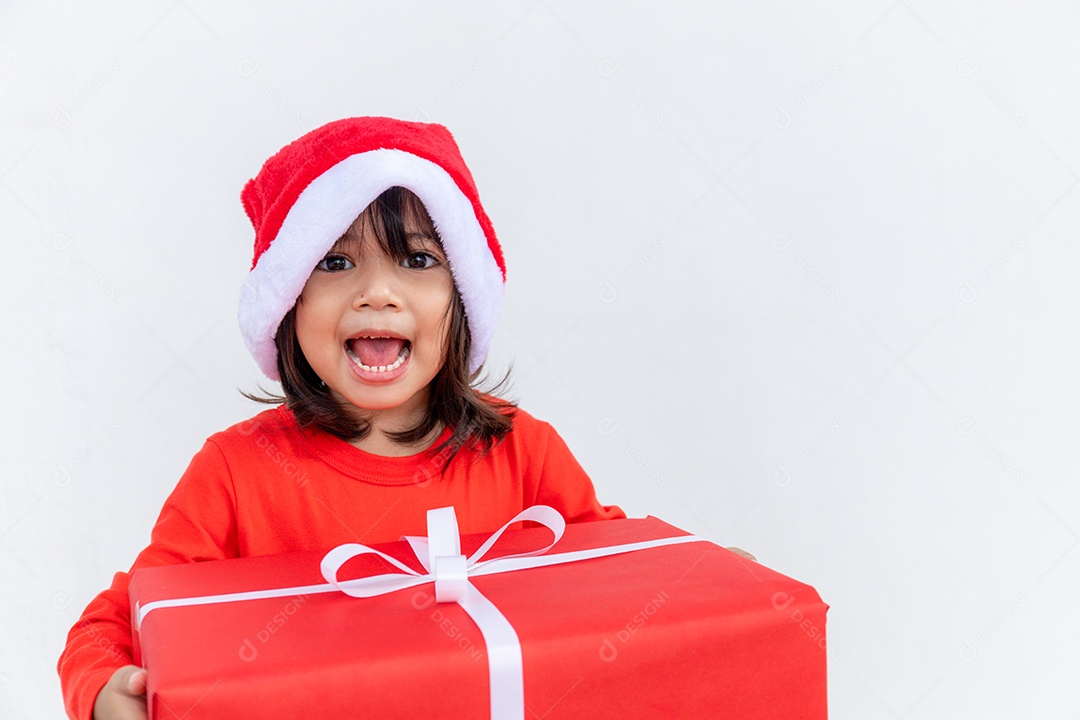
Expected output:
{"points": [[360, 290]]}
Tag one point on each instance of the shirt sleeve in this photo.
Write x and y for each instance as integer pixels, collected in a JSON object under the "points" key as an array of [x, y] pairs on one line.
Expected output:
{"points": [[565, 486], [197, 522]]}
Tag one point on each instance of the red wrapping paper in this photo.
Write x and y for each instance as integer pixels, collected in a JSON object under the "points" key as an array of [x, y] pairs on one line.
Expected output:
{"points": [[686, 631]]}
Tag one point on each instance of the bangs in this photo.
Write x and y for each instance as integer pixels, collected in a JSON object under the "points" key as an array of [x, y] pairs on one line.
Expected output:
{"points": [[389, 218]]}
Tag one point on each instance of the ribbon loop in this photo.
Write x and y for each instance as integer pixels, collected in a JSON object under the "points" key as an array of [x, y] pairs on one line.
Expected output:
{"points": [[443, 537], [546, 515], [370, 586]]}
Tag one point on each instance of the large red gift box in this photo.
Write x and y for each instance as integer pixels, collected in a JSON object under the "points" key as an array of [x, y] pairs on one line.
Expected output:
{"points": [[686, 630]]}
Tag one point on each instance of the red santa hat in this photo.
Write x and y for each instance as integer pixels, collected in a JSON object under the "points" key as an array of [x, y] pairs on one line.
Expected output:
{"points": [[308, 194]]}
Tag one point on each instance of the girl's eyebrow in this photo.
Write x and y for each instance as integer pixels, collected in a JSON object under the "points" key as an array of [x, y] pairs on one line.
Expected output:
{"points": [[340, 245], [431, 240]]}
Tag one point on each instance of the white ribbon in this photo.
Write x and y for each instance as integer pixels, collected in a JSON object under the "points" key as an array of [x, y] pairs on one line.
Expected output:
{"points": [[440, 555]]}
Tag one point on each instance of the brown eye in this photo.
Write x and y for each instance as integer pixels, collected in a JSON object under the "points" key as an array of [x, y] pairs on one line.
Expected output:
{"points": [[421, 257], [335, 263]]}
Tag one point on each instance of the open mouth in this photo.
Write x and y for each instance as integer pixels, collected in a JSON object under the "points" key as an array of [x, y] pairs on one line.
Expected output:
{"points": [[378, 354]]}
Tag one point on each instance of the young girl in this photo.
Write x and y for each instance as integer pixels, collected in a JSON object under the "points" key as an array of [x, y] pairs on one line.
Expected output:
{"points": [[373, 298]]}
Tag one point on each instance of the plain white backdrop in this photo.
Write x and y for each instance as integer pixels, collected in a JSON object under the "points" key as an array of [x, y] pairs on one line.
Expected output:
{"points": [[798, 277]]}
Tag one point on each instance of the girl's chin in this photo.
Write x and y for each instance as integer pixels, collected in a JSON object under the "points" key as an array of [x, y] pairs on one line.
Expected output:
{"points": [[364, 405]]}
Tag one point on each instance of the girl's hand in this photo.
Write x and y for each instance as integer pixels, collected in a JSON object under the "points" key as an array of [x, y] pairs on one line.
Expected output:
{"points": [[124, 696], [742, 553]]}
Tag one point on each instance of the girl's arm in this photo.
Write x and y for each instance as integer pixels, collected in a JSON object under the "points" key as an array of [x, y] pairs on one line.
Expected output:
{"points": [[565, 486], [197, 522]]}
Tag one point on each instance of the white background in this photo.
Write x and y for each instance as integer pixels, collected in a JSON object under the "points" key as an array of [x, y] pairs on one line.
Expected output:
{"points": [[799, 277]]}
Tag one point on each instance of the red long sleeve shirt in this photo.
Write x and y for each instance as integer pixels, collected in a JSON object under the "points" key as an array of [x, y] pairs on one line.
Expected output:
{"points": [[267, 486]]}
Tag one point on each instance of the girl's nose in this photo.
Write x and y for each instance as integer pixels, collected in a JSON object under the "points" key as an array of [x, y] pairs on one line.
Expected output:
{"points": [[377, 283]]}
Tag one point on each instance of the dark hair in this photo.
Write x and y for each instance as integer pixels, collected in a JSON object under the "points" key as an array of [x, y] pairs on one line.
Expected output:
{"points": [[476, 416]]}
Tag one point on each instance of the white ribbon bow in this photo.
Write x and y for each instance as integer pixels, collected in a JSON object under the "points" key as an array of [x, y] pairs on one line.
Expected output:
{"points": [[440, 555]]}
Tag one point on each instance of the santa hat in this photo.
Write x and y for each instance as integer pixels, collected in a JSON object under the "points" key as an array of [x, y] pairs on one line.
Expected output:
{"points": [[308, 194]]}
